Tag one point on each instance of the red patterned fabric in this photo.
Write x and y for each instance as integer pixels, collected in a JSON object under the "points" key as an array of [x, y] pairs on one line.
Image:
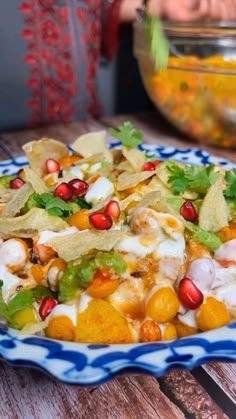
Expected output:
{"points": [[110, 41], [59, 36]]}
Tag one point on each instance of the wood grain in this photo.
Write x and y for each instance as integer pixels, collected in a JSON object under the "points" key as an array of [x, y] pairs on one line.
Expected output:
{"points": [[31, 394], [190, 396]]}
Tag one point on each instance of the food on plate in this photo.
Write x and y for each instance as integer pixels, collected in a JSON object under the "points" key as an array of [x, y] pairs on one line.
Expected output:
{"points": [[112, 245]]}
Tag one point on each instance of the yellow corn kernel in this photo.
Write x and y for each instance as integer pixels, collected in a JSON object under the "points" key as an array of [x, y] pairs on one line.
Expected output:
{"points": [[169, 332], [212, 314], [163, 305], [150, 331], [24, 316], [80, 219]]}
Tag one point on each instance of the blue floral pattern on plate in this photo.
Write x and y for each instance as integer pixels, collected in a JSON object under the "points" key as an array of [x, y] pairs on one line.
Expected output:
{"points": [[86, 364]]}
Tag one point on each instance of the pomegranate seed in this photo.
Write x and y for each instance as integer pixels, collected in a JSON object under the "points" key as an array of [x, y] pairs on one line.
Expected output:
{"points": [[78, 187], [16, 183], [156, 162], [52, 166], [190, 296], [149, 165], [63, 191], [188, 211], [101, 221], [113, 209], [46, 306]]}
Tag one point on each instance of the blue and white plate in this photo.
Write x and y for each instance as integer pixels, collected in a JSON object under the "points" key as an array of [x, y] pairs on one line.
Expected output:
{"points": [[86, 364]]}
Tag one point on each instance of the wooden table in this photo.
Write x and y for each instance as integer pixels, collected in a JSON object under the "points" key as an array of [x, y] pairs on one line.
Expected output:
{"points": [[205, 392]]}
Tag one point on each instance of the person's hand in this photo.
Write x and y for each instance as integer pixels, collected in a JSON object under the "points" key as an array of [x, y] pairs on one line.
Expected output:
{"points": [[191, 10]]}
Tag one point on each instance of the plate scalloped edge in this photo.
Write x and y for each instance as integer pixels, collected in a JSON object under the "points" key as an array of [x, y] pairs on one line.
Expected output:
{"points": [[85, 364]]}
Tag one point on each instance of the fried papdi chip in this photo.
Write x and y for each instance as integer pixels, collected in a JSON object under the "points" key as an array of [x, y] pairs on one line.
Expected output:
{"points": [[125, 166], [134, 197], [34, 179], [6, 194], [92, 143], [27, 225], [128, 180], [72, 246], [135, 157], [156, 184], [150, 199], [18, 200], [39, 151], [214, 213]]}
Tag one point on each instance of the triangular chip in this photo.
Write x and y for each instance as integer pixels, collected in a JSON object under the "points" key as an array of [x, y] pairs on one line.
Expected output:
{"points": [[214, 213], [39, 151], [92, 143], [72, 246]]}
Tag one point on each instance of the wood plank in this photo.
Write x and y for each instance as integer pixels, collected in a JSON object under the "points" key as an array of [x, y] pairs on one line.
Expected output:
{"points": [[13, 141], [224, 375], [3, 154], [190, 396], [31, 394], [157, 131]]}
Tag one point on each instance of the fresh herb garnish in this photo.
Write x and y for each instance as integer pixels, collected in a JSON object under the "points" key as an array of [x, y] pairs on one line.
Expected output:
{"points": [[195, 178], [128, 135], [230, 190], [54, 205], [82, 203], [22, 300], [157, 42], [178, 178]]}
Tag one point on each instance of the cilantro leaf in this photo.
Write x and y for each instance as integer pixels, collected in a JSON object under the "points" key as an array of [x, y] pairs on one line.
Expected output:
{"points": [[23, 299], [54, 205], [230, 190], [178, 179], [82, 203], [128, 135], [194, 178], [199, 179]]}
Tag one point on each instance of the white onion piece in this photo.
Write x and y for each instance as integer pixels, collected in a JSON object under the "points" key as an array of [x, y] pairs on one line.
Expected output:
{"points": [[227, 252], [202, 273]]}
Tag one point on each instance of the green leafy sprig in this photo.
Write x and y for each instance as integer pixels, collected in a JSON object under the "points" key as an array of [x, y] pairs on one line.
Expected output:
{"points": [[128, 135], [195, 178], [157, 42], [23, 299]]}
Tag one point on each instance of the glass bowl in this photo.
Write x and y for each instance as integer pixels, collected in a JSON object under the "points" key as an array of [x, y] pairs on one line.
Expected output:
{"points": [[197, 91]]}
